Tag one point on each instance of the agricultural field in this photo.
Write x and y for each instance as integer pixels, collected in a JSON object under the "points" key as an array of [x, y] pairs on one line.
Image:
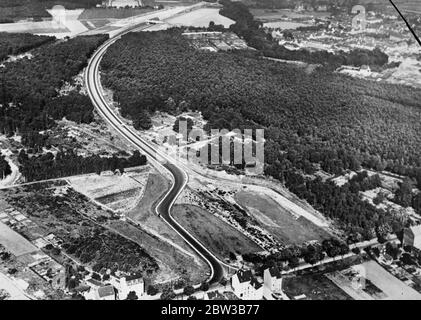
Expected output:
{"points": [[280, 221], [222, 239]]}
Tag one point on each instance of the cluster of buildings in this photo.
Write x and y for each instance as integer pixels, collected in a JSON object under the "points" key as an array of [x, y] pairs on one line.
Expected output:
{"points": [[118, 287], [214, 41], [246, 286]]}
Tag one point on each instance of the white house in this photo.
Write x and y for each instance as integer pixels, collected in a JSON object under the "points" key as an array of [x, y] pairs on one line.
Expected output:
{"points": [[273, 280], [246, 286], [128, 283], [412, 237]]}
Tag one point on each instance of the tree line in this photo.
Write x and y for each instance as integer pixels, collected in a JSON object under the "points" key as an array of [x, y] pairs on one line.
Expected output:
{"points": [[250, 30], [67, 163], [29, 99], [5, 169], [17, 43]]}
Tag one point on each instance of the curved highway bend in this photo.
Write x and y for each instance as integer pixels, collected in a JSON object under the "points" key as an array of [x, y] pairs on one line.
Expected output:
{"points": [[179, 176]]}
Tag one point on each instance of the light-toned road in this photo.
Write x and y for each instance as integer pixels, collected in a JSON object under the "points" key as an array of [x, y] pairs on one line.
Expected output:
{"points": [[179, 176]]}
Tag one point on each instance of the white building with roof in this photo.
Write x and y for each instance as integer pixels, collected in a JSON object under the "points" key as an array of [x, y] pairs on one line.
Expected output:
{"points": [[126, 284], [246, 286], [412, 237], [272, 279]]}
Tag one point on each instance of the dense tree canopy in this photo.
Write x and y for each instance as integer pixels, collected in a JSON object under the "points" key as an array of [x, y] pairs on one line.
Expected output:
{"points": [[29, 87], [311, 120], [63, 164], [16, 43], [5, 169]]}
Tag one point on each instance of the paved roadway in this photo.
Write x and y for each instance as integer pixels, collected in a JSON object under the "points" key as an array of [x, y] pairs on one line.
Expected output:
{"points": [[179, 176]]}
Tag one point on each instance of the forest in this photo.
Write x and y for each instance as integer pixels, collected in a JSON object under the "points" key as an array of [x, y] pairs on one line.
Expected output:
{"points": [[249, 29], [5, 169], [64, 164], [320, 120], [16, 43], [29, 88]]}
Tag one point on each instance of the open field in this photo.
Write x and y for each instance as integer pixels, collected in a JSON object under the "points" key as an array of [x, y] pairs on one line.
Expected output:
{"points": [[215, 234], [379, 283], [270, 15], [14, 242], [118, 192], [278, 220], [201, 18], [111, 13], [33, 27], [314, 287]]}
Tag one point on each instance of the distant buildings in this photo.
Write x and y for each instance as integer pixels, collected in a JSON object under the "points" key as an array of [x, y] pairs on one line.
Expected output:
{"points": [[246, 286], [412, 237]]}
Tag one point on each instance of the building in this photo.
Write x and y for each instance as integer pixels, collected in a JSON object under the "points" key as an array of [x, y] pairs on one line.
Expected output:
{"points": [[412, 237], [127, 284], [246, 286], [105, 293], [273, 280]]}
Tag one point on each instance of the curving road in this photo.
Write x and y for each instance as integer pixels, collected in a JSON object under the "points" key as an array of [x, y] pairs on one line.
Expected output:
{"points": [[179, 176]]}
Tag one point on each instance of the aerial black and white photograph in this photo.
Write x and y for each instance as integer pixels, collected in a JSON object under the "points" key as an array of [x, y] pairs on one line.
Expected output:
{"points": [[210, 157]]}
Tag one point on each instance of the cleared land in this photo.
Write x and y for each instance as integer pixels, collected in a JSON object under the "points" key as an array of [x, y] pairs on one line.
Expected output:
{"points": [[144, 215], [279, 221], [119, 193], [173, 261], [267, 14], [201, 18], [111, 13], [214, 234], [379, 283], [314, 287], [394, 288], [14, 242]]}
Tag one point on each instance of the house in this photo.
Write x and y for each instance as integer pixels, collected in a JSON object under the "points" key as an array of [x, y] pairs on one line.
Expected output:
{"points": [[127, 284], [412, 237], [93, 283], [105, 293], [246, 286], [273, 280]]}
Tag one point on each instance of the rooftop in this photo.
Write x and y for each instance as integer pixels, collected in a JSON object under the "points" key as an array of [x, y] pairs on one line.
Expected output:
{"points": [[106, 291], [244, 275]]}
